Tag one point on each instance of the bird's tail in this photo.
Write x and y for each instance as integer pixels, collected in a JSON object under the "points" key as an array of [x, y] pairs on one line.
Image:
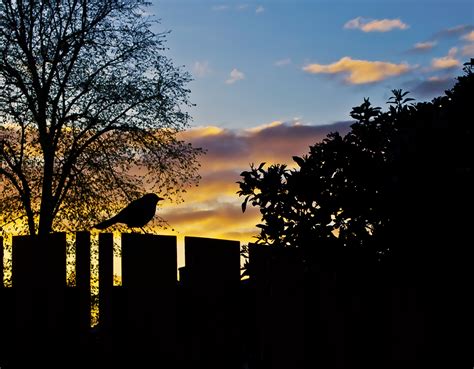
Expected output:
{"points": [[106, 223]]}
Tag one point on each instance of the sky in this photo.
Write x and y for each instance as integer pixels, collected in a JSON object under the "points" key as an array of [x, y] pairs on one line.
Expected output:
{"points": [[271, 78], [256, 62]]}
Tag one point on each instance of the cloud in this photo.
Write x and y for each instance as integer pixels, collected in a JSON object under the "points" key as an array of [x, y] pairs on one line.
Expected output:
{"points": [[454, 31], [468, 50], [234, 76], [201, 69], [360, 71], [375, 25], [433, 86], [469, 36], [446, 62], [213, 209], [220, 8], [423, 46], [220, 220], [222, 215], [283, 62], [274, 143], [239, 8]]}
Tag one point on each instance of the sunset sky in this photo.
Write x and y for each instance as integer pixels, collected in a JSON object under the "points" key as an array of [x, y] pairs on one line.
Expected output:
{"points": [[273, 77]]}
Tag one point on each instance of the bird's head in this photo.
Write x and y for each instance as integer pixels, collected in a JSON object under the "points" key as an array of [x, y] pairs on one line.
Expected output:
{"points": [[153, 197]]}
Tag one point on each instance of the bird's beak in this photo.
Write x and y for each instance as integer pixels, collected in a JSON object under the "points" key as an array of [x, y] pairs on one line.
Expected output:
{"points": [[160, 198]]}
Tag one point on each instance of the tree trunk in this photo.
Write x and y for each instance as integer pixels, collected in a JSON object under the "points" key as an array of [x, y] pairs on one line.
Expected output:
{"points": [[31, 222], [46, 210], [46, 220]]}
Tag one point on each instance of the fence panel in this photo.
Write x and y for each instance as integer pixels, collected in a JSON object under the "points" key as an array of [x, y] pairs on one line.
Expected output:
{"points": [[334, 308], [39, 282], [278, 281], [149, 297], [6, 311], [210, 305]]}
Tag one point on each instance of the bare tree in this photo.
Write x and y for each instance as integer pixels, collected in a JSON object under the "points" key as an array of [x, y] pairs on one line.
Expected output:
{"points": [[90, 109]]}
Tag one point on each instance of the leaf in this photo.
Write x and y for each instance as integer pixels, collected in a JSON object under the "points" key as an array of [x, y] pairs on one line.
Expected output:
{"points": [[405, 93], [299, 161], [244, 204]]}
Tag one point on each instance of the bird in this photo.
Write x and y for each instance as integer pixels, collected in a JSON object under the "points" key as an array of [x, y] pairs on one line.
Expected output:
{"points": [[136, 214]]}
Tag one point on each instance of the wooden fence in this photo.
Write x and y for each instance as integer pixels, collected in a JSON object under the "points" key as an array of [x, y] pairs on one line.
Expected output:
{"points": [[321, 309], [151, 319]]}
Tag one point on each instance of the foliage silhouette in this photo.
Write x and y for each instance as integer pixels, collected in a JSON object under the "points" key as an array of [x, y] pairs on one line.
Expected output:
{"points": [[367, 189], [90, 108]]}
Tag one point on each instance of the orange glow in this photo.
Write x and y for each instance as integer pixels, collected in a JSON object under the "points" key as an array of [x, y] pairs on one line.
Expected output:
{"points": [[213, 208]]}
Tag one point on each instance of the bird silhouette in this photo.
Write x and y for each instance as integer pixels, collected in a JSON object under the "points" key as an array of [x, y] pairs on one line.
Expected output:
{"points": [[136, 214]]}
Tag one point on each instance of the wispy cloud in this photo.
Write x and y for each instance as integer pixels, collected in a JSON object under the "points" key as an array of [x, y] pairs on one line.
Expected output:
{"points": [[220, 8], [469, 36], [360, 71], [433, 86], [239, 7], [234, 76], [423, 46], [375, 25], [282, 62], [201, 69], [468, 50], [454, 31], [446, 62]]}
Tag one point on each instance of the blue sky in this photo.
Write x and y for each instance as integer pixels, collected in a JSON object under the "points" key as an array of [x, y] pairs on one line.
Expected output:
{"points": [[268, 43]]}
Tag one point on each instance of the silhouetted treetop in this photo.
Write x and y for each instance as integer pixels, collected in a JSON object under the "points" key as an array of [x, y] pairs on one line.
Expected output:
{"points": [[368, 188]]}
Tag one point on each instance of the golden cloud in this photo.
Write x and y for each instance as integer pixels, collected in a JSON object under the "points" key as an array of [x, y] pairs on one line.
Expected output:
{"points": [[360, 71], [375, 25], [446, 62], [469, 36], [213, 209], [220, 220], [233, 150]]}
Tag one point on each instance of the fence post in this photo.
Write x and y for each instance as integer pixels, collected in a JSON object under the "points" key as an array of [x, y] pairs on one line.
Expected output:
{"points": [[83, 281], [210, 307], [278, 282], [149, 283], [39, 280], [106, 279], [101, 344]]}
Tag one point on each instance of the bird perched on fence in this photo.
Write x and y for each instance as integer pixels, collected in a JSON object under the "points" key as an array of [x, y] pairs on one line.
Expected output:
{"points": [[136, 214]]}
